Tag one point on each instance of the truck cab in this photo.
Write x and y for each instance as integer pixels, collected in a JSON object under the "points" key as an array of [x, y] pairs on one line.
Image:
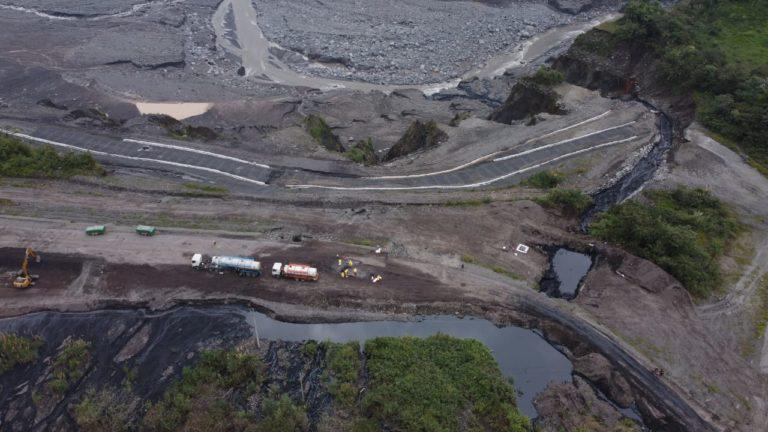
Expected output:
{"points": [[277, 269], [197, 260]]}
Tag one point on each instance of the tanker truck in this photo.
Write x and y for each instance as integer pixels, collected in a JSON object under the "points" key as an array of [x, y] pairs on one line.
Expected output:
{"points": [[242, 266], [300, 272]]}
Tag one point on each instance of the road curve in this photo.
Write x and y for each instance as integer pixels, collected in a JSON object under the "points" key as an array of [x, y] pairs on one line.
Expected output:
{"points": [[478, 173]]}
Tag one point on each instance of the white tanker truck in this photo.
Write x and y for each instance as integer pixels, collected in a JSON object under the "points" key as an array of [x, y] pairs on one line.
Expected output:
{"points": [[243, 266]]}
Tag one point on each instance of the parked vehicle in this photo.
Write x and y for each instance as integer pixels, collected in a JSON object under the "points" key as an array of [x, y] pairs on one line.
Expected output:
{"points": [[300, 272], [243, 266], [95, 230], [146, 230]]}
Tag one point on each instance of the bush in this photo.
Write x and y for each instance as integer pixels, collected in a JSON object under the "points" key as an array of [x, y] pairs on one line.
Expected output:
{"points": [[16, 350], [104, 410], [362, 152], [19, 160], [343, 362], [319, 130], [570, 202], [547, 77], [430, 384], [208, 392], [544, 180], [282, 415], [69, 365], [683, 231]]}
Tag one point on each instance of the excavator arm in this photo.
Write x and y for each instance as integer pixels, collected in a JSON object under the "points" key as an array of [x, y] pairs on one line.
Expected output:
{"points": [[24, 280]]}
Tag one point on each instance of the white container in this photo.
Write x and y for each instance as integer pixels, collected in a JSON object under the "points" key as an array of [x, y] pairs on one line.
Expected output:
{"points": [[237, 263]]}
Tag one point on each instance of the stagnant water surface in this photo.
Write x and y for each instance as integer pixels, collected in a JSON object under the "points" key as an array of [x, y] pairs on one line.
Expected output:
{"points": [[522, 354], [567, 269]]}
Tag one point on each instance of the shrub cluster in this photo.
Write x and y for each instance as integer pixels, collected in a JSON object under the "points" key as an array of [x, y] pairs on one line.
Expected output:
{"points": [[717, 50], [20, 160], [684, 231]]}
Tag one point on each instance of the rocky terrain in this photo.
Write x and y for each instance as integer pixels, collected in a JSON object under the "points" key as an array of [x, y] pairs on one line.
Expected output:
{"points": [[411, 42]]}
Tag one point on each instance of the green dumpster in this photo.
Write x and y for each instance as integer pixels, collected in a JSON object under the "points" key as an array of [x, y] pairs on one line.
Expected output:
{"points": [[146, 230], [95, 230]]}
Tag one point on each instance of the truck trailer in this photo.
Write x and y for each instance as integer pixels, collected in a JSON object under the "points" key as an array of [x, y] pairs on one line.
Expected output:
{"points": [[300, 272], [243, 266]]}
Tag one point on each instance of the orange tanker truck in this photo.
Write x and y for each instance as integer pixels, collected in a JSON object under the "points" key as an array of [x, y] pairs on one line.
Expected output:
{"points": [[300, 272]]}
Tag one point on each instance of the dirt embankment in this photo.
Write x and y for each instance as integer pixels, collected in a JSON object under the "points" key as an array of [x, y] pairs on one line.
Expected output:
{"points": [[629, 71]]}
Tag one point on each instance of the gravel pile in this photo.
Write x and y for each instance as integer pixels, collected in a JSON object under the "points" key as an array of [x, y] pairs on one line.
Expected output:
{"points": [[397, 41]]}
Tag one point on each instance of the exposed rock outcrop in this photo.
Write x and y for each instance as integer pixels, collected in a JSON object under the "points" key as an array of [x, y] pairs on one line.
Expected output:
{"points": [[526, 100], [419, 136], [575, 407]]}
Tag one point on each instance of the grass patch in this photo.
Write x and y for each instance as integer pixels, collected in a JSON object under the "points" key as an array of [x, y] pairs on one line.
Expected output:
{"points": [[434, 384], [17, 350], [362, 153], [69, 365], [684, 231], [547, 77], [544, 180], [759, 319], [468, 203], [343, 362], [206, 188], [17, 159], [504, 272], [366, 242], [207, 395], [319, 130], [570, 202], [103, 410]]}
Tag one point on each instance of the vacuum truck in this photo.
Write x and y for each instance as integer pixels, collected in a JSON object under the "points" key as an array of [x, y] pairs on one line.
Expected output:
{"points": [[300, 272], [243, 266]]}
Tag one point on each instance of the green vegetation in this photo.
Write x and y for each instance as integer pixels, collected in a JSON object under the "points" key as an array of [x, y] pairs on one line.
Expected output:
{"points": [[684, 231], [435, 384], [544, 179], [206, 188], [17, 159], [468, 203], [362, 153], [570, 202], [319, 130], [343, 362], [17, 350], [207, 393], [458, 118], [469, 259], [717, 50], [69, 365], [504, 272], [547, 77], [281, 415], [104, 410]]}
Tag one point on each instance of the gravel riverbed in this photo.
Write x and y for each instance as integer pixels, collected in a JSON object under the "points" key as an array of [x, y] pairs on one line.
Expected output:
{"points": [[397, 41]]}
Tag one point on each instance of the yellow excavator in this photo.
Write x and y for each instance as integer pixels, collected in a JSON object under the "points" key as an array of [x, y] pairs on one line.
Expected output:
{"points": [[24, 279]]}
